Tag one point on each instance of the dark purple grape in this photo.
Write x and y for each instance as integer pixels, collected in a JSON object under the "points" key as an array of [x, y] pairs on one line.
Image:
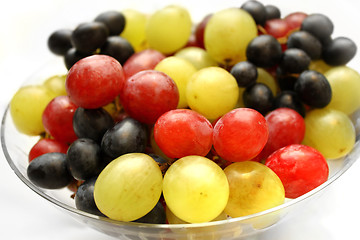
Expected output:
{"points": [[162, 162], [286, 81], [156, 216], [59, 41], [245, 73], [84, 159], [294, 60], [84, 198], [272, 12], [127, 136], [318, 25], [306, 42], [256, 10], [339, 51], [50, 171], [118, 48], [72, 56], [259, 97], [87, 37], [91, 123], [114, 20], [264, 51], [313, 89], [289, 99]]}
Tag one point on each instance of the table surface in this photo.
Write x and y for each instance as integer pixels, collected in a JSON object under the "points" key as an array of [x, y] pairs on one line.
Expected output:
{"points": [[25, 26]]}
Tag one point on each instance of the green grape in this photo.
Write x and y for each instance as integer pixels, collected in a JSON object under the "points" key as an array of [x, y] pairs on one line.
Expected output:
{"points": [[345, 86], [180, 70], [195, 189], [134, 30], [199, 57], [56, 84], [168, 29], [227, 35], [27, 107], [212, 92], [253, 188], [129, 187], [329, 131], [319, 66]]}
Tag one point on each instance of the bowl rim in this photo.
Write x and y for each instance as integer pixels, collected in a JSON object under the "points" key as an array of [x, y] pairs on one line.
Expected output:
{"points": [[288, 204]]}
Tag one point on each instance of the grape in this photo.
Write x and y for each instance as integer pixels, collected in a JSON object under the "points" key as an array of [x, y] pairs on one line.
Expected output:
{"points": [[27, 106], [84, 197], [113, 20], [46, 145], [264, 51], [72, 56], [313, 89], [319, 66], [259, 97], [59, 42], [253, 188], [143, 60], [129, 187], [329, 131], [295, 19], [156, 216], [294, 61], [127, 136], [301, 168], [227, 35], [257, 11], [195, 189], [339, 52], [278, 28], [307, 42], [84, 159], [134, 30], [91, 123], [289, 99], [197, 56], [148, 94], [272, 12], [118, 48], [49, 171], [95, 81], [161, 161], [180, 70], [266, 78], [56, 84], [168, 29], [345, 83], [245, 73], [219, 96], [58, 119], [200, 30], [89, 36], [318, 25], [240, 135], [183, 132]]}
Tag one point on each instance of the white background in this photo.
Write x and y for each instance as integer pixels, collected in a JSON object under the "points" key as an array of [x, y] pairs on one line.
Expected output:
{"points": [[24, 28]]}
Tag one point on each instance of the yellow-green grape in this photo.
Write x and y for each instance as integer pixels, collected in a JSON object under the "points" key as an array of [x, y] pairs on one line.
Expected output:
{"points": [[329, 131], [227, 35], [199, 57], [129, 187], [253, 188], [319, 66], [345, 86], [27, 107], [180, 70], [195, 189], [212, 92], [168, 29], [56, 84], [266, 78], [134, 30]]}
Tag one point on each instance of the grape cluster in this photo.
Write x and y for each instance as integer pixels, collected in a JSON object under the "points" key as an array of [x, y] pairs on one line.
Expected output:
{"points": [[226, 120]]}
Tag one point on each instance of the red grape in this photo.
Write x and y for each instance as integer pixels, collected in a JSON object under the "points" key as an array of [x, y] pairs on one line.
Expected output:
{"points": [[94, 81], [240, 134], [183, 132], [144, 60], [46, 145], [300, 168], [58, 119], [295, 19], [200, 29], [148, 94], [277, 27]]}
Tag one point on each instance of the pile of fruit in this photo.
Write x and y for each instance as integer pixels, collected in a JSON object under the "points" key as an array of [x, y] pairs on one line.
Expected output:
{"points": [[159, 120]]}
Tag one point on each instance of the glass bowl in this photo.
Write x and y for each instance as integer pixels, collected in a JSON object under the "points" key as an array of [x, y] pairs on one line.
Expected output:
{"points": [[16, 147]]}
